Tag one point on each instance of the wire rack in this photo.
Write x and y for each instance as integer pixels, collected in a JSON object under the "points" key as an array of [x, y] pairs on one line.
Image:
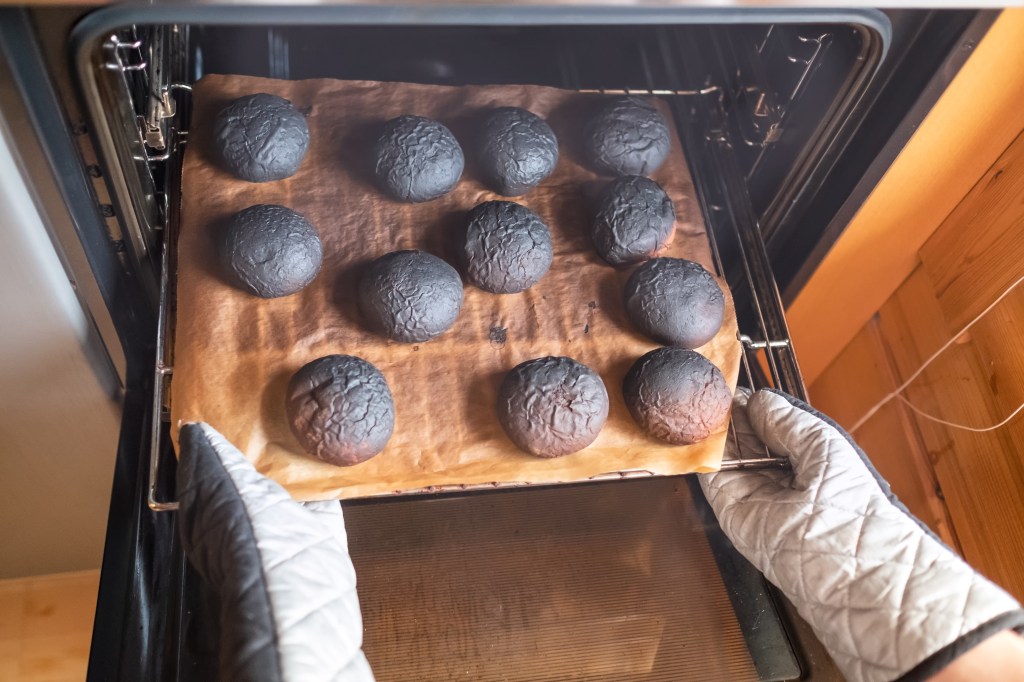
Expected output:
{"points": [[734, 236]]}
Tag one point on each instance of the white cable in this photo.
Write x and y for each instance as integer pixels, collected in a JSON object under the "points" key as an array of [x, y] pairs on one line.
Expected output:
{"points": [[902, 387]]}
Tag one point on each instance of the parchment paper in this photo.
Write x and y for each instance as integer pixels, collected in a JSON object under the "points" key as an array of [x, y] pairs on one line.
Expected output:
{"points": [[234, 353]]}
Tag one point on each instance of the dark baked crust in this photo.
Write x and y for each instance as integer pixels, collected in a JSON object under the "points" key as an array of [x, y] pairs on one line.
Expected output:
{"points": [[410, 296], [635, 218], [271, 250], [552, 406], [261, 138], [627, 136], [675, 301], [417, 159], [518, 149], [677, 395], [508, 247], [340, 409]]}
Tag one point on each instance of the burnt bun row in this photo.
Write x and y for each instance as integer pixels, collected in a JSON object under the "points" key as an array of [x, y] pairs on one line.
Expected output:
{"points": [[342, 412], [263, 138]]}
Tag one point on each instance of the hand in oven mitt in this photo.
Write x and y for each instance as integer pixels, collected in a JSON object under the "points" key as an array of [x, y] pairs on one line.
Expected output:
{"points": [[884, 595], [281, 569]]}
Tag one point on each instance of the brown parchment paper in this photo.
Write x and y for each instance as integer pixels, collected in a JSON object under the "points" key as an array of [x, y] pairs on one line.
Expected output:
{"points": [[234, 353]]}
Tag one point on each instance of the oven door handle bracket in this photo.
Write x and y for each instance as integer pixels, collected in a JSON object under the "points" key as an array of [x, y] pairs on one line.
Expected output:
{"points": [[162, 373]]}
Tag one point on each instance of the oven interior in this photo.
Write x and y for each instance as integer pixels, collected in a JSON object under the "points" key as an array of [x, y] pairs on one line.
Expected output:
{"points": [[754, 104], [609, 581]]}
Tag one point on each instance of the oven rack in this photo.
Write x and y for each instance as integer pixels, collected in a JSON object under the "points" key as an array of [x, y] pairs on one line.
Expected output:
{"points": [[767, 353]]}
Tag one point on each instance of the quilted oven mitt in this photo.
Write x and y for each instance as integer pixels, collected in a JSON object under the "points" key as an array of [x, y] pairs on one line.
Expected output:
{"points": [[884, 595], [281, 569]]}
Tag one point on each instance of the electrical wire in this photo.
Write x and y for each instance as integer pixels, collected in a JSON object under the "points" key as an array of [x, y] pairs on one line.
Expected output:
{"points": [[902, 387]]}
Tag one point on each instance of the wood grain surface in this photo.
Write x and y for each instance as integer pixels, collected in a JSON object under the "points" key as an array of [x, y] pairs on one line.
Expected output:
{"points": [[972, 258], [46, 626]]}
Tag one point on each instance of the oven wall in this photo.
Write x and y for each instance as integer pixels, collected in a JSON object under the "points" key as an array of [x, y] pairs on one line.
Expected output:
{"points": [[59, 418]]}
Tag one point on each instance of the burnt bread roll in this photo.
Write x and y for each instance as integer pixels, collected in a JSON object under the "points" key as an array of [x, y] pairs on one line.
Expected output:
{"points": [[410, 296], [675, 301], [635, 218], [552, 406], [508, 247], [677, 395], [261, 138], [340, 409], [417, 159], [271, 251], [518, 149], [627, 136]]}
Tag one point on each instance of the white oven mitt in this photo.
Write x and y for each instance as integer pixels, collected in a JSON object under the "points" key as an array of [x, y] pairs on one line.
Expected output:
{"points": [[884, 595], [281, 569]]}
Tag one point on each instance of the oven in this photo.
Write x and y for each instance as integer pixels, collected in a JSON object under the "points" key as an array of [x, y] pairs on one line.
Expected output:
{"points": [[788, 117]]}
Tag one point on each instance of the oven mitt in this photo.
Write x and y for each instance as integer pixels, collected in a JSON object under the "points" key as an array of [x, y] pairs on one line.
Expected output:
{"points": [[884, 595], [281, 569]]}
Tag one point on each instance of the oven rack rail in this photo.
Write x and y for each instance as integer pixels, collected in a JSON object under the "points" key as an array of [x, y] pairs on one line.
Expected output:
{"points": [[768, 349]]}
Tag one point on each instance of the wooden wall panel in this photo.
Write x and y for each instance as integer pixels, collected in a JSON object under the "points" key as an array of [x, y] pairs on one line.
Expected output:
{"points": [[968, 487], [978, 251], [977, 117], [856, 380], [979, 475]]}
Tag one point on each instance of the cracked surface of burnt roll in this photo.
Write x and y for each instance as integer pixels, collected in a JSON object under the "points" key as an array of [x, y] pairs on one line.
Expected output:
{"points": [[635, 218], [508, 247], [417, 159], [552, 406], [627, 136], [518, 150], [340, 409], [677, 395], [271, 251], [675, 301], [261, 138], [410, 296]]}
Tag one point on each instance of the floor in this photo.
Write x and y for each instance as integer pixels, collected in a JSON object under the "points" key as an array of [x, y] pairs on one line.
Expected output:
{"points": [[46, 625]]}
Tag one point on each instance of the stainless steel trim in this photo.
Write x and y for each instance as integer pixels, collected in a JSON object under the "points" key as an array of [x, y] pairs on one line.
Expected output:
{"points": [[105, 90], [161, 372]]}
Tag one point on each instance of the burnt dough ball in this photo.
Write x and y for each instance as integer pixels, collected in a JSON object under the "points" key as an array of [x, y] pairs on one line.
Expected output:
{"points": [[627, 136], [552, 406], [340, 409], [635, 218], [271, 251], [508, 247], [410, 296], [677, 395], [417, 159], [518, 149], [675, 301], [261, 137]]}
